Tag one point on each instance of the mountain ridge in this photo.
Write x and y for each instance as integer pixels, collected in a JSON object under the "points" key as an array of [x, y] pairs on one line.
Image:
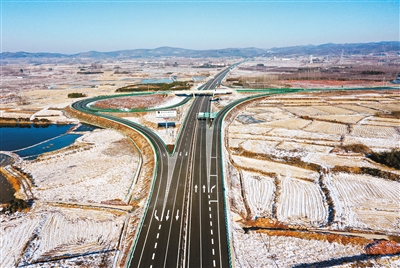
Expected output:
{"points": [[166, 51]]}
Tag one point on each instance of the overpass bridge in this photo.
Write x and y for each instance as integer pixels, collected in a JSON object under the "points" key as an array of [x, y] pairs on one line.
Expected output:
{"points": [[207, 92]]}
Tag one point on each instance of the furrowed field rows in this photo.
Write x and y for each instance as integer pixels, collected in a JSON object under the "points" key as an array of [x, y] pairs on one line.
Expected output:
{"points": [[358, 108], [377, 143], [260, 192], [256, 165], [291, 123], [61, 233], [346, 119], [326, 127], [13, 239], [358, 194], [305, 111], [382, 121], [301, 202], [333, 110], [385, 107], [368, 131]]}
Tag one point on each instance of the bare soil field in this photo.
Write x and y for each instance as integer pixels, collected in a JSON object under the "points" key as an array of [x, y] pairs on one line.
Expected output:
{"points": [[286, 171]]}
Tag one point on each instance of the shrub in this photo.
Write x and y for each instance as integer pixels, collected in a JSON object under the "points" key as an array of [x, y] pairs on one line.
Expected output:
{"points": [[393, 114], [372, 72], [76, 95], [390, 159], [16, 205], [356, 148]]}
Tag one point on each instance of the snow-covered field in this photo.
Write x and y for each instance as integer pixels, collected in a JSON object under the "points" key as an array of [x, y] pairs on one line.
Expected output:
{"points": [[80, 212], [86, 173], [301, 203], [279, 172], [256, 249], [366, 202]]}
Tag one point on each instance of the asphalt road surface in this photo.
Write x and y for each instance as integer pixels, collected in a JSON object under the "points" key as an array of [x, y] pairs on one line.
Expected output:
{"points": [[185, 222]]}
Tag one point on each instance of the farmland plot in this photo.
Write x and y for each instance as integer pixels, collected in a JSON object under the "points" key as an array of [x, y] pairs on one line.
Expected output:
{"points": [[333, 110], [346, 119], [261, 250], [385, 107], [234, 143], [88, 172], [14, 233], [252, 129], [278, 115], [263, 166], [301, 203], [259, 147], [358, 108], [332, 160], [310, 148], [377, 121], [291, 123], [326, 127], [366, 202], [306, 111], [300, 134], [251, 137], [376, 144], [368, 131], [260, 192], [73, 232]]}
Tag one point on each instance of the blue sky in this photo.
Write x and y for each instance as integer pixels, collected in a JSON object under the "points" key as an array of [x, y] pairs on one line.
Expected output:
{"points": [[78, 26]]}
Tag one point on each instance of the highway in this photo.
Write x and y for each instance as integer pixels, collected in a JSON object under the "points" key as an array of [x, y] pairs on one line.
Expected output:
{"points": [[184, 225]]}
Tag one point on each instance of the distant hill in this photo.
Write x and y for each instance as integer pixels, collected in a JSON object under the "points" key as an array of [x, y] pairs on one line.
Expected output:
{"points": [[325, 49]]}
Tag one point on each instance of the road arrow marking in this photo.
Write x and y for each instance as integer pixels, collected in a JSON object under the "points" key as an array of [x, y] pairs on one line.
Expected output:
{"points": [[186, 154], [167, 217], [177, 215], [212, 188], [195, 189], [204, 188], [155, 215], [180, 153]]}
